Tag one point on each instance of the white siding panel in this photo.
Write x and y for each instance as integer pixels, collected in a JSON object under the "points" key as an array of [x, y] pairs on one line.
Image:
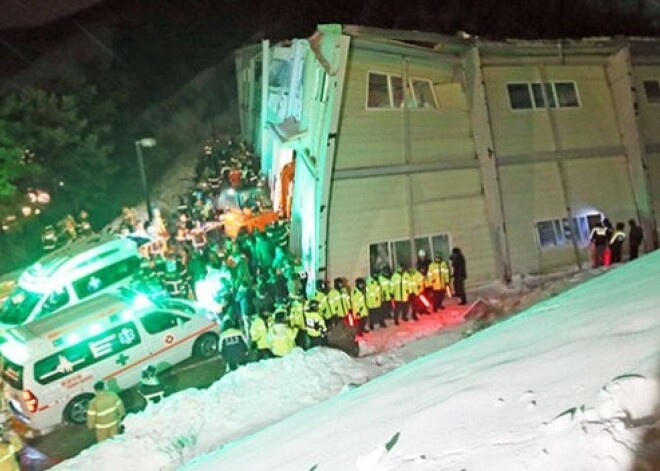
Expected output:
{"points": [[530, 192], [602, 184], [362, 211]]}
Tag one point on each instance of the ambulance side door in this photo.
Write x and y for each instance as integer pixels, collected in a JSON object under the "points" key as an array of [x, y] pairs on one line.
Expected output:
{"points": [[168, 333]]}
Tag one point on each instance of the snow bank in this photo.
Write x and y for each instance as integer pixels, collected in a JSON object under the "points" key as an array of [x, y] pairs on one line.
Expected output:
{"points": [[571, 383], [186, 424]]}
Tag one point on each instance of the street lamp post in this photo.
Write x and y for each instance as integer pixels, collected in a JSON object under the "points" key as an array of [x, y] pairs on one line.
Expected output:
{"points": [[139, 144]]}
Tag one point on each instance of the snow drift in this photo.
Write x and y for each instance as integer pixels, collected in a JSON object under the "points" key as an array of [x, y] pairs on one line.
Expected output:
{"points": [[570, 383]]}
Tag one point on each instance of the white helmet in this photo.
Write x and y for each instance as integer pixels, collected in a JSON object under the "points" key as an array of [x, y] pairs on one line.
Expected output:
{"points": [[421, 253]]}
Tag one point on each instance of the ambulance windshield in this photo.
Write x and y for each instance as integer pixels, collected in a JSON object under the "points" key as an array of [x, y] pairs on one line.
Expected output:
{"points": [[18, 306]]}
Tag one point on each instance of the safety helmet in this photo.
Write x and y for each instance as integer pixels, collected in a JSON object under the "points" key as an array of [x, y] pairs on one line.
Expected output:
{"points": [[320, 285], [360, 283], [338, 283], [149, 371], [421, 253]]}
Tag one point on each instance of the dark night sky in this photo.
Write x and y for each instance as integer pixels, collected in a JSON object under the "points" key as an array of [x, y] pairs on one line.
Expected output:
{"points": [[174, 40]]}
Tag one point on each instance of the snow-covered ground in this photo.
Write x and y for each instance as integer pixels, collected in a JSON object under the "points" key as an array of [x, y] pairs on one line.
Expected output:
{"points": [[569, 384]]}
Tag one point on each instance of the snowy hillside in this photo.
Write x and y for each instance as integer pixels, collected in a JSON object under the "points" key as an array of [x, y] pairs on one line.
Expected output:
{"points": [[572, 383], [569, 384]]}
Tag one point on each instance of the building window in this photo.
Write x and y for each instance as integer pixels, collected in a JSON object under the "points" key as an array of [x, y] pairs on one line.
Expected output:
{"points": [[652, 89], [559, 232], [399, 252], [535, 95], [386, 91]]}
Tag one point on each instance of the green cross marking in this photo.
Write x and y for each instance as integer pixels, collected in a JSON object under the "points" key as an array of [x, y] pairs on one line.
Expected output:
{"points": [[122, 359]]}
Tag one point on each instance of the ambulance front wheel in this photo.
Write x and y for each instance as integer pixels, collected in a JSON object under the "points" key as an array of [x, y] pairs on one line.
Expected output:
{"points": [[206, 346], [75, 411]]}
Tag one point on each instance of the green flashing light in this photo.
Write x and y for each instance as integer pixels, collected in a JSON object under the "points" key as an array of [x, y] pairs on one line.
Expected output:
{"points": [[72, 338], [141, 301], [95, 329]]}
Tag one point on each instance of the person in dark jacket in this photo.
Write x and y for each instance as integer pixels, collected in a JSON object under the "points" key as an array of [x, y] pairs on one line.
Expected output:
{"points": [[150, 388], [599, 239], [460, 274], [635, 236], [233, 346], [616, 242]]}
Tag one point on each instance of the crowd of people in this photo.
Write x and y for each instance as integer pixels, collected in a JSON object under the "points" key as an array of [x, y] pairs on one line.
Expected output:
{"points": [[258, 290]]}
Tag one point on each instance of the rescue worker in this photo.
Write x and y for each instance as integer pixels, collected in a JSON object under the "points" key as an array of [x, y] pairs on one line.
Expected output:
{"points": [[438, 278], [417, 288], [635, 237], [258, 334], [68, 228], [10, 445], [315, 327], [339, 301], [175, 276], [49, 239], [105, 412], [83, 226], [281, 336], [128, 220], [321, 296], [400, 284], [233, 346], [598, 238], [423, 261], [359, 305], [384, 280], [150, 388], [460, 274], [616, 243], [374, 302], [297, 318]]}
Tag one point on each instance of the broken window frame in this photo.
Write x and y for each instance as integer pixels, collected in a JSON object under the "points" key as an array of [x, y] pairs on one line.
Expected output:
{"points": [[414, 102]]}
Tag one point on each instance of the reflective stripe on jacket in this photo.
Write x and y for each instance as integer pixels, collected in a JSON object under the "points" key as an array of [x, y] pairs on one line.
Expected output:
{"points": [[358, 303], [105, 410], [400, 286], [281, 339], [373, 293], [258, 331]]}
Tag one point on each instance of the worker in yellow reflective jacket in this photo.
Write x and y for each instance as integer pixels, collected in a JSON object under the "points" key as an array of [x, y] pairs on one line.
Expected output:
{"points": [[374, 300], [281, 336], [105, 412], [438, 278], [315, 328], [297, 318], [321, 296], [417, 290], [10, 445], [258, 332], [339, 300], [359, 305], [384, 279], [400, 283]]}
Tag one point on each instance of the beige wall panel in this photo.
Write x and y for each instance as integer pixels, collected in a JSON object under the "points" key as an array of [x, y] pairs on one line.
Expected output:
{"points": [[433, 186], [376, 137], [591, 125], [602, 184], [464, 219], [649, 113], [363, 211], [530, 193]]}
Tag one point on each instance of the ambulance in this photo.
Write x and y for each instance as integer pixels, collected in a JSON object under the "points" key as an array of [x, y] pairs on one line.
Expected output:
{"points": [[83, 269], [50, 365]]}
